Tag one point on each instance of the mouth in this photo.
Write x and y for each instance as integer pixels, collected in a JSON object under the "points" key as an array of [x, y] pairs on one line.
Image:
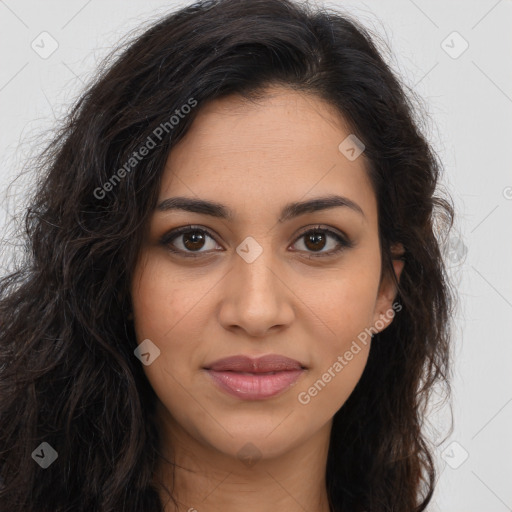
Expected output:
{"points": [[255, 386], [255, 379]]}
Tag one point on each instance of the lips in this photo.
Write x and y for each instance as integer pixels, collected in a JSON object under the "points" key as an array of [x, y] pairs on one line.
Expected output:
{"points": [[265, 364], [255, 379]]}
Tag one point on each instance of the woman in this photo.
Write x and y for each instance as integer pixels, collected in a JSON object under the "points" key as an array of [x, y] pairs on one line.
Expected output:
{"points": [[233, 295]]}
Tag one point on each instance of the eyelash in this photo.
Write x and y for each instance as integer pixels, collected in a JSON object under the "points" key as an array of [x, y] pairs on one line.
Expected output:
{"points": [[344, 243]]}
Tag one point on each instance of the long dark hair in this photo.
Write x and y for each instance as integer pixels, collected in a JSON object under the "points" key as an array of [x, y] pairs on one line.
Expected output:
{"points": [[68, 373]]}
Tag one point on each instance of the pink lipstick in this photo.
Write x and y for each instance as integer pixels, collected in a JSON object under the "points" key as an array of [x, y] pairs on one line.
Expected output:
{"points": [[255, 379]]}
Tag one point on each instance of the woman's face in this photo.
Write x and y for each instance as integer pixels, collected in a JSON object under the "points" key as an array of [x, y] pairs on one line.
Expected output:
{"points": [[247, 280]]}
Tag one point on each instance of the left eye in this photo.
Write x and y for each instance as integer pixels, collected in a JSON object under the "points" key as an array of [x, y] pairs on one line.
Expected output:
{"points": [[193, 241], [315, 240]]}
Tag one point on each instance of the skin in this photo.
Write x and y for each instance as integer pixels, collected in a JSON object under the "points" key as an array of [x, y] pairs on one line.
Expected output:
{"points": [[255, 158]]}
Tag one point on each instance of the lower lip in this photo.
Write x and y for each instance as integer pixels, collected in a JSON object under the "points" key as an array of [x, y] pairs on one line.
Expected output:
{"points": [[255, 386]]}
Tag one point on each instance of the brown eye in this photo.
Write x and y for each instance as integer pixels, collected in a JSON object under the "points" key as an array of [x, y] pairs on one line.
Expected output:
{"points": [[317, 239], [189, 240], [193, 240]]}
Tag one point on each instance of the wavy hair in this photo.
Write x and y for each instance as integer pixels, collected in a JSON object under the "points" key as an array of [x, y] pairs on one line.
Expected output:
{"points": [[68, 373]]}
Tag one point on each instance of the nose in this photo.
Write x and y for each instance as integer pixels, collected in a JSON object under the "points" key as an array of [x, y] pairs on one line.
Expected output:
{"points": [[256, 296]]}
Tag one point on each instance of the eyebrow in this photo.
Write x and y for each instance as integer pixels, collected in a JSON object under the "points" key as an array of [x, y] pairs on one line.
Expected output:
{"points": [[290, 211]]}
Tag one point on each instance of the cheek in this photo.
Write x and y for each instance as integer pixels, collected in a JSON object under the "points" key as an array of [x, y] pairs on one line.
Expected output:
{"points": [[160, 302], [163, 309], [344, 305], [344, 302], [340, 355], [329, 387]]}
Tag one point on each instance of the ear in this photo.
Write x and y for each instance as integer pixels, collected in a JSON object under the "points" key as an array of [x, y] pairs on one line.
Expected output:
{"points": [[384, 313]]}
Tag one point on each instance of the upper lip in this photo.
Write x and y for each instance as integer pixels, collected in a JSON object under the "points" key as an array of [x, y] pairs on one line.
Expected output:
{"points": [[264, 364]]}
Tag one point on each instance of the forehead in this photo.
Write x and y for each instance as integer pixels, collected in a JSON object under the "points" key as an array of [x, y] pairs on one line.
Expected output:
{"points": [[253, 155]]}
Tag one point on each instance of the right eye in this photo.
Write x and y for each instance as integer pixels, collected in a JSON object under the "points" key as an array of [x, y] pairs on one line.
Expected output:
{"points": [[188, 241]]}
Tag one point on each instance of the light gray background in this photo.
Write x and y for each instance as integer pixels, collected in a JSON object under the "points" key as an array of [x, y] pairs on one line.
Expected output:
{"points": [[469, 99]]}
